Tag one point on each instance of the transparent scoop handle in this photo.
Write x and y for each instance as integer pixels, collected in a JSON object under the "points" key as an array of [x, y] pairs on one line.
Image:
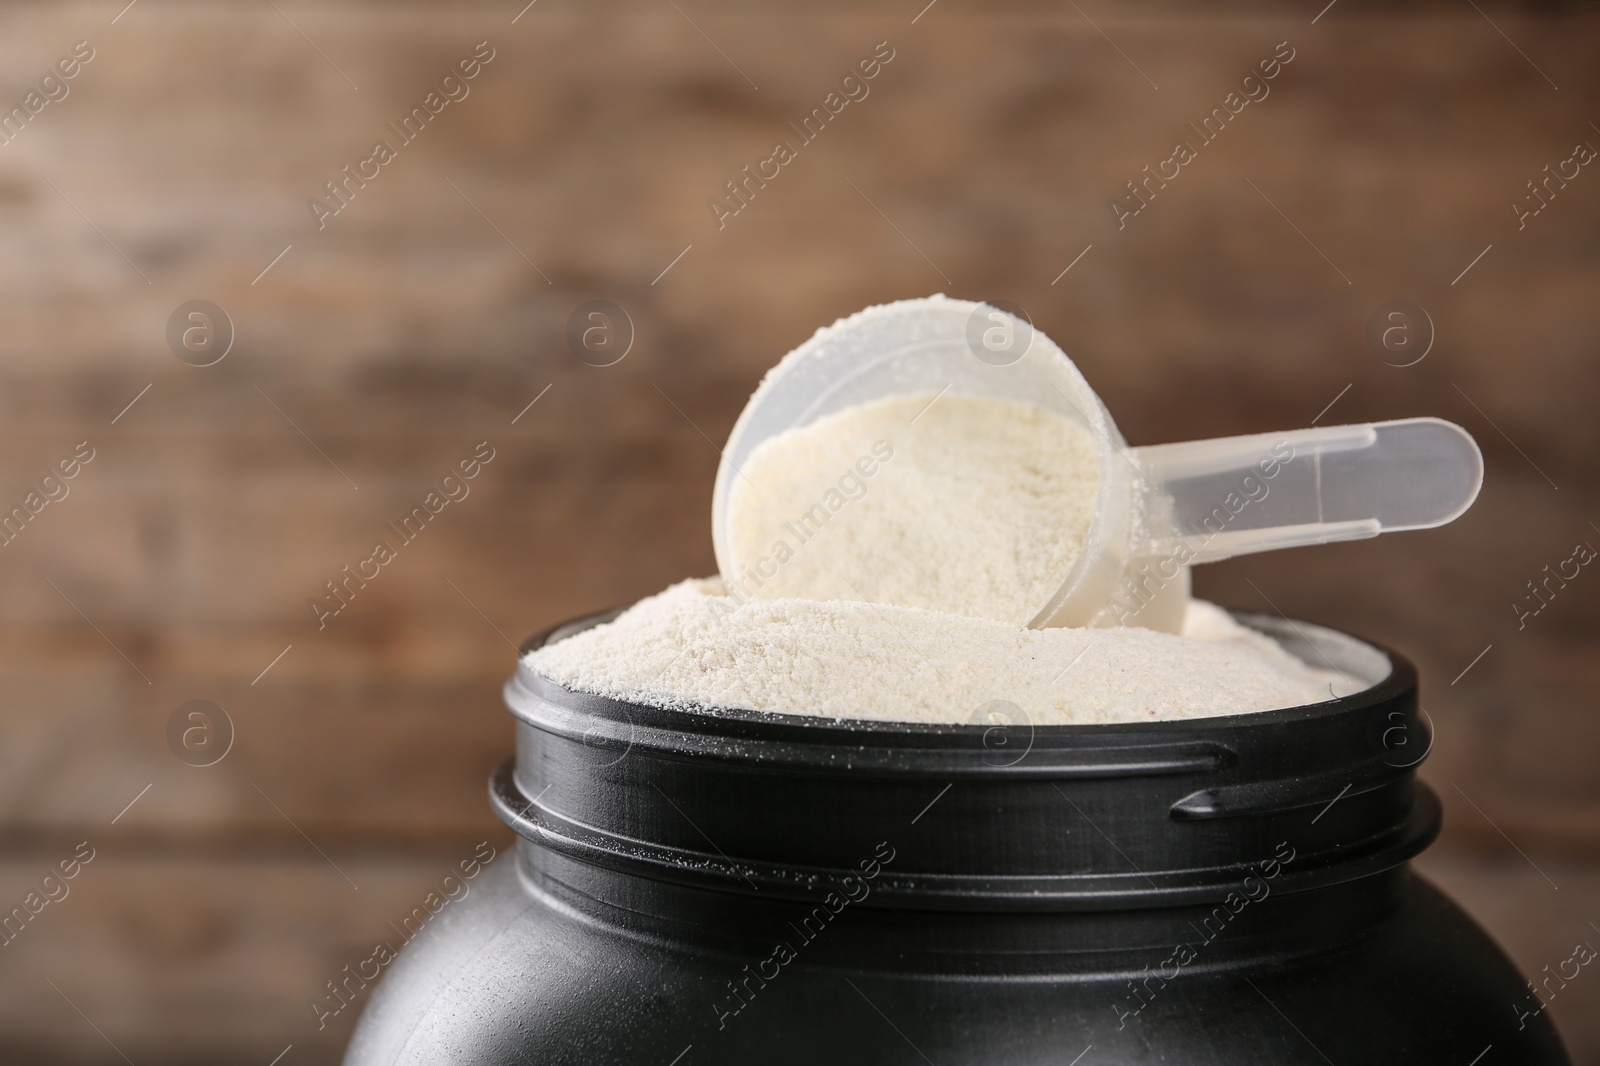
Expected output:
{"points": [[1212, 499]]}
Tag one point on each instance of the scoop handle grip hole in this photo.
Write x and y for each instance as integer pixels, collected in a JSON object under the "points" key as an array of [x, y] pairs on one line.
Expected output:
{"points": [[1214, 499]]}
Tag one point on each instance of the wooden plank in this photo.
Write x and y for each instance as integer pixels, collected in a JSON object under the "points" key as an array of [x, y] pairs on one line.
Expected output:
{"points": [[190, 960]]}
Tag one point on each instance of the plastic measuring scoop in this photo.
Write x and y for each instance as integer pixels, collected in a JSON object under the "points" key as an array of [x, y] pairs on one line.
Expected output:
{"points": [[1159, 509]]}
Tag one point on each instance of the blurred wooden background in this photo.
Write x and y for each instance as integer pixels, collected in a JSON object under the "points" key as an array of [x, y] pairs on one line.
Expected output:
{"points": [[425, 317]]}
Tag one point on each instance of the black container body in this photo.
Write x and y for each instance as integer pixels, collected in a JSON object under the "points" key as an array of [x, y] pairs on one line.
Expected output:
{"points": [[733, 887]]}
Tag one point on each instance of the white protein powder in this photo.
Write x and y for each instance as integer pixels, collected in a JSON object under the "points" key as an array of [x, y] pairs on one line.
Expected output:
{"points": [[972, 505], [693, 647]]}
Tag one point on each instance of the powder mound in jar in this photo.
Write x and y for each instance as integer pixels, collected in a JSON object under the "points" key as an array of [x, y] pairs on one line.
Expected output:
{"points": [[968, 504], [693, 647]]}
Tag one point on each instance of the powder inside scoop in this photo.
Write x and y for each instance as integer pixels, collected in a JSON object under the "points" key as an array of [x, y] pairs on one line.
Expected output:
{"points": [[967, 504]]}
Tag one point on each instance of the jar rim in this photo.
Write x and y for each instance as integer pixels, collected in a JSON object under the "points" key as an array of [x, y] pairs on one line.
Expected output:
{"points": [[1100, 816]]}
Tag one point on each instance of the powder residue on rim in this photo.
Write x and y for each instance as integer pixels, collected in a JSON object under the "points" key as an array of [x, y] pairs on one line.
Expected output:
{"points": [[693, 647], [972, 505]]}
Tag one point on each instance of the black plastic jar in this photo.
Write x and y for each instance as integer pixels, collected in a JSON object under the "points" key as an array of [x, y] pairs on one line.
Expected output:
{"points": [[736, 887]]}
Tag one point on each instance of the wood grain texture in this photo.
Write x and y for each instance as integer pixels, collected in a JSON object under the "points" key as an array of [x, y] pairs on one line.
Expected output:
{"points": [[434, 306]]}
